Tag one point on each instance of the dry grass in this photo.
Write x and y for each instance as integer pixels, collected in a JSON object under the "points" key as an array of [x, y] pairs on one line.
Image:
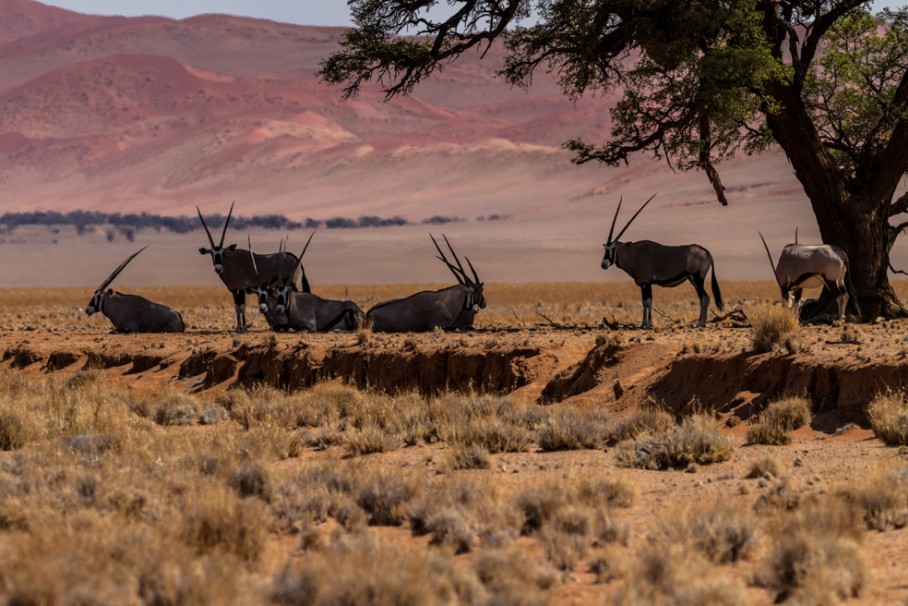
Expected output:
{"points": [[696, 441], [779, 418], [888, 414], [774, 327]]}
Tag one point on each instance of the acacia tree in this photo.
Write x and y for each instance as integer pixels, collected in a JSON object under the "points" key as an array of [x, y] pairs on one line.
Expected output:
{"points": [[699, 80]]}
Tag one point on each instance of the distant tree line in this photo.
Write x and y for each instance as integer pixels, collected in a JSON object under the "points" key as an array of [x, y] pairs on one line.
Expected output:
{"points": [[82, 220]]}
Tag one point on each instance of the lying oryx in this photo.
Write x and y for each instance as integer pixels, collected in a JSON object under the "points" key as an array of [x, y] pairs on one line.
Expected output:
{"points": [[287, 309], [131, 313], [451, 308], [803, 267], [651, 263], [234, 266]]}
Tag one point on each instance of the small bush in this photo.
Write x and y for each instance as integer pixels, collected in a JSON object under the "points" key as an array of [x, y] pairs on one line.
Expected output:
{"points": [[469, 457], [385, 496], [766, 468], [572, 431], [767, 434], [176, 409], [788, 413], [816, 557], [369, 439], [14, 431], [251, 480], [216, 520], [722, 533], [888, 413], [882, 497], [697, 440], [648, 420], [773, 326]]}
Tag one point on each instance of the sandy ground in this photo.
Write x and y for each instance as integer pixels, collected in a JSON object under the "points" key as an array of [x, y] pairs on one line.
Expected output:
{"points": [[57, 340]]}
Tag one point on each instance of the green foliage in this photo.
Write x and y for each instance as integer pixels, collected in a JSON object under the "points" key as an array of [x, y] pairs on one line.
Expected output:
{"points": [[850, 95]]}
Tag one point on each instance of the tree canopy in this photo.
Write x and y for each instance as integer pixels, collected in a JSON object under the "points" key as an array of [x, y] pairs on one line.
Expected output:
{"points": [[696, 81]]}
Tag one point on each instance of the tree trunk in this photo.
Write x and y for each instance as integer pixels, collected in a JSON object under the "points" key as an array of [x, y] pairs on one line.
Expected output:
{"points": [[862, 231]]}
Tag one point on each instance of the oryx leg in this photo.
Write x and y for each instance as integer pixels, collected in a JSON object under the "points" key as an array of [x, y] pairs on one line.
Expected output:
{"points": [[647, 292], [239, 305], [841, 296], [698, 282]]}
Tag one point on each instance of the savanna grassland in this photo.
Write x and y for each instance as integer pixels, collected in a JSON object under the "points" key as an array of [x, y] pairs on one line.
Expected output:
{"points": [[555, 455]]}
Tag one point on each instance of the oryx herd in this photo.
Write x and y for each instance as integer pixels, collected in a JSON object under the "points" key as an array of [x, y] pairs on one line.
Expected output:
{"points": [[289, 306]]}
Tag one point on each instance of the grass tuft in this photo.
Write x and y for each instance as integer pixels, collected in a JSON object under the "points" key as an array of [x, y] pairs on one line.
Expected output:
{"points": [[773, 326]]}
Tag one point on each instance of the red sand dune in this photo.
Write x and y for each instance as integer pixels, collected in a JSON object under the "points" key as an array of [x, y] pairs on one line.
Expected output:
{"points": [[153, 114]]}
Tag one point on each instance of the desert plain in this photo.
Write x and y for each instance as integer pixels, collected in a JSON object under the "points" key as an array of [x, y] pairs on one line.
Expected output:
{"points": [[517, 463]]}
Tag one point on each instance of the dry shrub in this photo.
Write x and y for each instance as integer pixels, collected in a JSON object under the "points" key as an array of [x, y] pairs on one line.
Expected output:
{"points": [[767, 434], [384, 495], [83, 377], [15, 430], [369, 572], [512, 576], [462, 508], [645, 421], [882, 496], [816, 556], [670, 574], [369, 439], [608, 564], [494, 434], [774, 327], [788, 413], [697, 440], [539, 503], [251, 480], [572, 430], [469, 457], [176, 409], [613, 492], [766, 468], [723, 533], [779, 497], [777, 420], [888, 413], [215, 520]]}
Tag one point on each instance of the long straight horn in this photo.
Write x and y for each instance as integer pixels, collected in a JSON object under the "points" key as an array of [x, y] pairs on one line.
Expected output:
{"points": [[618, 237], [772, 263], [441, 257], [117, 271], [210, 239], [252, 256], [227, 222], [305, 248], [611, 230], [282, 247], [456, 258], [796, 234], [475, 276]]}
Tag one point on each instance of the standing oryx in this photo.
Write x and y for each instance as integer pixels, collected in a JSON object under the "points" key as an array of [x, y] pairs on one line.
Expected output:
{"points": [[803, 266], [651, 263], [131, 313], [451, 308], [234, 266], [287, 309]]}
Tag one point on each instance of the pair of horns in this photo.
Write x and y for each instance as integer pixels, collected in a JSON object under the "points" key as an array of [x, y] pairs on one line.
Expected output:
{"points": [[117, 271], [459, 273], [223, 233], [281, 249], [611, 231]]}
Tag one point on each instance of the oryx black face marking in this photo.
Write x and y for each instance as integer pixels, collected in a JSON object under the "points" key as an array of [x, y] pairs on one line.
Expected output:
{"points": [[235, 268], [651, 263]]}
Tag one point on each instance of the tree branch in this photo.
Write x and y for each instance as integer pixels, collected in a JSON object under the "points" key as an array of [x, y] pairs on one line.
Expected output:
{"points": [[899, 206]]}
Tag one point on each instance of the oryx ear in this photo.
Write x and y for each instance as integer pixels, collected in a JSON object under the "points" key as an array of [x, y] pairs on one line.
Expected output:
{"points": [[231, 247], [204, 251]]}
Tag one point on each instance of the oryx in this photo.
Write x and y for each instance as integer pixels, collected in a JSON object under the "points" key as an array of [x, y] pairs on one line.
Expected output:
{"points": [[234, 266], [279, 287], [131, 313], [651, 263], [451, 308], [802, 266]]}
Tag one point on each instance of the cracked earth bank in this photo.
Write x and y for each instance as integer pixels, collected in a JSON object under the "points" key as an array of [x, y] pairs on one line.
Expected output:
{"points": [[679, 368]]}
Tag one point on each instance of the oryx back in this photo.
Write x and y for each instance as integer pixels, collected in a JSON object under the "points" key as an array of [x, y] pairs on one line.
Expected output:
{"points": [[132, 313], [240, 274], [649, 262], [424, 311], [810, 266]]}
